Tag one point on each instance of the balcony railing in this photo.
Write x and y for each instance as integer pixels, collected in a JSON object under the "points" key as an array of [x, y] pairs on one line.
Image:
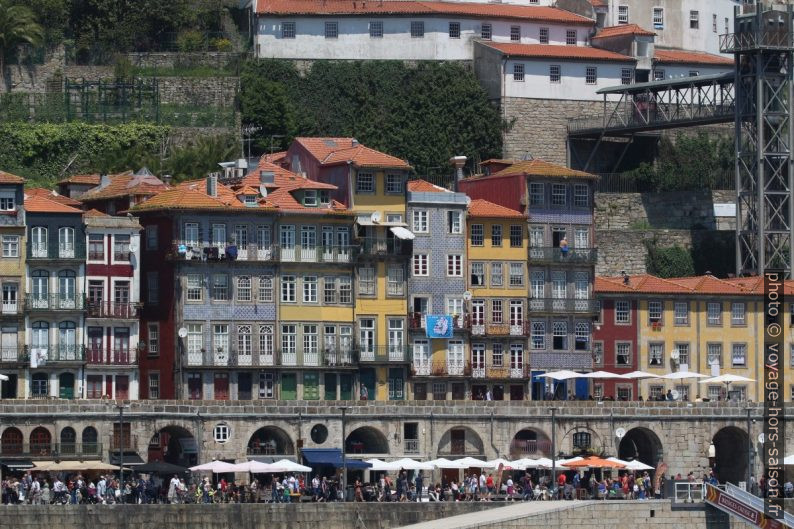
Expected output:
{"points": [[110, 309], [318, 254], [274, 358], [449, 368], [54, 301], [11, 307], [516, 328], [551, 255], [49, 450], [383, 246], [411, 446], [123, 442], [526, 447], [383, 353], [192, 251], [416, 321], [112, 357], [563, 305], [59, 353], [500, 372], [13, 354]]}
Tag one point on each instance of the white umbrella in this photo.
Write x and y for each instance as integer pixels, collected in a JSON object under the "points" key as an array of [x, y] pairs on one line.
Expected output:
{"points": [[727, 379], [507, 464], [409, 464], [563, 374], [256, 467], [525, 462], [681, 375], [561, 462], [446, 463], [216, 467], [543, 462], [472, 462], [631, 465], [641, 374], [378, 465], [602, 374], [290, 466]]}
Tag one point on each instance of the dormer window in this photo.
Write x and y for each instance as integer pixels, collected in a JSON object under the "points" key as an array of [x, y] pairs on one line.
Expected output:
{"points": [[310, 198], [7, 202], [249, 200]]}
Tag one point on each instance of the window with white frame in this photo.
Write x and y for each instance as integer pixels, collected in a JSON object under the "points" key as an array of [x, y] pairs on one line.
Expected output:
{"points": [[7, 202], [555, 76], [454, 222], [476, 234], [714, 354], [267, 385], [220, 338], [497, 354], [365, 183], [10, 245], [626, 75], [658, 18], [194, 290], [153, 339], [455, 306], [265, 289], [623, 14], [244, 346], [737, 313], [581, 336], [396, 335], [289, 339], [376, 29], [536, 194], [570, 37], [559, 331], [537, 284], [288, 289], [455, 265], [622, 312], [329, 290], [714, 313], [516, 236], [477, 274], [581, 195], [496, 235], [739, 354], [417, 29], [518, 72], [366, 281], [420, 267], [515, 33], [654, 312], [623, 392], [658, 75], [681, 312], [591, 75], [538, 335], [266, 340], [655, 391], [244, 288], [683, 353], [154, 385], [694, 19], [558, 194], [516, 312], [454, 30], [288, 30], [543, 35], [598, 353], [394, 184], [220, 287], [497, 311], [714, 392], [486, 31], [310, 340], [419, 217], [622, 353], [195, 338], [497, 275], [310, 289], [656, 354], [331, 30], [516, 274], [221, 433], [395, 280]]}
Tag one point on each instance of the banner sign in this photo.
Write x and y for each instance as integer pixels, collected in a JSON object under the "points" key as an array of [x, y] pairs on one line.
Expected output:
{"points": [[738, 508], [438, 326]]}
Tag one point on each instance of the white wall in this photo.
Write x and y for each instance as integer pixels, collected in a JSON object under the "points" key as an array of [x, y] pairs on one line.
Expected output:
{"points": [[516, 2], [354, 41], [572, 85], [682, 70]]}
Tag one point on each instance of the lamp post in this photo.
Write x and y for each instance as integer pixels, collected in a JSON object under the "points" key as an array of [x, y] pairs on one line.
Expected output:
{"points": [[553, 448], [120, 438], [344, 454], [749, 447]]}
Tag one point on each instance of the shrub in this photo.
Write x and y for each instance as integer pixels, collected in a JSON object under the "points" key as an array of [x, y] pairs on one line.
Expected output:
{"points": [[190, 40]]}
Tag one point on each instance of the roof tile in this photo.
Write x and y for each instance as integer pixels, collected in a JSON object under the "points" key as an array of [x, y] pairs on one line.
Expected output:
{"points": [[89, 179], [42, 204], [51, 195], [623, 29], [8, 178], [125, 184], [483, 208], [332, 151], [554, 51], [423, 186], [690, 57]]}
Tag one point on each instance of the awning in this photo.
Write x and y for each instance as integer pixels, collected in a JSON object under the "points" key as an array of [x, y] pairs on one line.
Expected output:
{"points": [[272, 459], [17, 464], [330, 457], [402, 233], [130, 458]]}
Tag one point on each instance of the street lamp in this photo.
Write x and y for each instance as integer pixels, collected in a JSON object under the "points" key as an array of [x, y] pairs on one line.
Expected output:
{"points": [[344, 409], [121, 407], [553, 448]]}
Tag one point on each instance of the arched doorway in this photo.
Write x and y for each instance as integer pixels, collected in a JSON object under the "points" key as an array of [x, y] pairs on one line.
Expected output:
{"points": [[366, 440], [641, 444], [40, 441], [731, 449], [175, 445], [68, 441], [90, 440], [529, 442], [11, 441], [461, 441], [270, 441]]}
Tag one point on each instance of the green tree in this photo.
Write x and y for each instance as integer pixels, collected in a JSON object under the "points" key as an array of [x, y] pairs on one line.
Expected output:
{"points": [[673, 261], [18, 25]]}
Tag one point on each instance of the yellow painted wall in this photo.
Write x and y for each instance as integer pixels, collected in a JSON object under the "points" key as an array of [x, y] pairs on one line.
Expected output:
{"points": [[379, 201]]}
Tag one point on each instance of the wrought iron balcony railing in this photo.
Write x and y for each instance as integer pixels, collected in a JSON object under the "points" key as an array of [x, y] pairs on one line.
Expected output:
{"points": [[54, 301], [563, 306], [111, 357], [551, 255], [274, 358], [383, 353], [110, 309], [514, 328], [212, 252]]}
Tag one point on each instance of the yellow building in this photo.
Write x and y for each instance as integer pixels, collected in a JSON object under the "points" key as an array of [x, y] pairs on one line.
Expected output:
{"points": [[497, 247]]}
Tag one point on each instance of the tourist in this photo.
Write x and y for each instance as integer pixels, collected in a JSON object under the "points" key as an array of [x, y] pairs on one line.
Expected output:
{"points": [[510, 490], [172, 488], [489, 485], [434, 493], [418, 484], [364, 392], [788, 489], [359, 497], [564, 247], [483, 486]]}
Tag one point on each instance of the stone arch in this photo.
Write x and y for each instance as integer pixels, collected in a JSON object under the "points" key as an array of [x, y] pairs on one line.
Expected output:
{"points": [[173, 444], [366, 440], [270, 440], [731, 445], [641, 444], [90, 440], [40, 441], [461, 441], [581, 440], [12, 441], [529, 442], [68, 440]]}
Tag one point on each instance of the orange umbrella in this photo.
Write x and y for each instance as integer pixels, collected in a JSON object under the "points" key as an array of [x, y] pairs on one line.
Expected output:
{"points": [[594, 462]]}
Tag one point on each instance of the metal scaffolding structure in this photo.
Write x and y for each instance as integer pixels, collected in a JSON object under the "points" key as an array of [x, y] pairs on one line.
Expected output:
{"points": [[763, 48]]}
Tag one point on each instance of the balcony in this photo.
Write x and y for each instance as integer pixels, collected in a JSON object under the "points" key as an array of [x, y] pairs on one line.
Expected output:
{"points": [[383, 247], [13, 307], [209, 252], [551, 255], [416, 321], [518, 328], [411, 446], [109, 309], [14, 217], [58, 353], [50, 450], [383, 353], [318, 254], [55, 301], [277, 358], [450, 368], [13, 354], [529, 447], [481, 371], [65, 250], [563, 306], [121, 357]]}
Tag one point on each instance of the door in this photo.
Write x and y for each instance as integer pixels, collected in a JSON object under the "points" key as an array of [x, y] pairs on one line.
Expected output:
{"points": [[455, 361], [241, 239], [244, 384], [328, 244], [308, 244], [39, 242], [582, 388], [121, 346], [66, 289], [396, 383], [287, 243], [345, 387], [343, 245], [367, 380], [219, 236], [289, 386], [40, 285], [66, 243], [221, 386], [95, 351], [457, 442], [40, 342], [122, 387], [10, 294], [67, 341], [265, 243], [421, 357], [330, 386], [478, 312], [66, 386]]}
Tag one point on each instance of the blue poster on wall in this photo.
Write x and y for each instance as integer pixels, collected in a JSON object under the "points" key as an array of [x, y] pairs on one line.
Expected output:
{"points": [[439, 326]]}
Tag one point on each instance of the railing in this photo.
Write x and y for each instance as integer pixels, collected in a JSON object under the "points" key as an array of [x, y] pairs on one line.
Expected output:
{"points": [[416, 321], [448, 368], [529, 447], [62, 450], [113, 357], [318, 254], [481, 328], [563, 305], [110, 309], [54, 301], [38, 250], [546, 255], [59, 353], [297, 358], [13, 354], [66, 250], [205, 251], [372, 246], [411, 446], [12, 307], [457, 447], [733, 42], [514, 372], [383, 353], [688, 492]]}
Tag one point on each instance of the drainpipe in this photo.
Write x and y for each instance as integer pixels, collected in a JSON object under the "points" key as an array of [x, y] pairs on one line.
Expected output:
{"points": [[496, 450], [300, 436], [430, 444]]}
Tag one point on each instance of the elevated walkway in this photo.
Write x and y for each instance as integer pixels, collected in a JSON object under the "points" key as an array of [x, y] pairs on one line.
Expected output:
{"points": [[744, 506]]}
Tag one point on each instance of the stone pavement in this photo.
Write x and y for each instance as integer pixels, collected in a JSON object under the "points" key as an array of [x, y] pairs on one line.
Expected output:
{"points": [[500, 515]]}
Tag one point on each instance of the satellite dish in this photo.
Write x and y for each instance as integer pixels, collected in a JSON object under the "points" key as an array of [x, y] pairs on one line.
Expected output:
{"points": [[620, 432], [467, 295], [761, 437], [262, 190], [375, 216], [182, 332], [675, 394], [674, 354]]}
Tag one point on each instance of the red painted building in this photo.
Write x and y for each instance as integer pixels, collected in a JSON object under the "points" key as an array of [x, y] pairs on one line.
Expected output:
{"points": [[615, 338]]}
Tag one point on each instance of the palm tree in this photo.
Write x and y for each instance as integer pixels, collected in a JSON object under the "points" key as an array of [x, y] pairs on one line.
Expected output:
{"points": [[18, 25]]}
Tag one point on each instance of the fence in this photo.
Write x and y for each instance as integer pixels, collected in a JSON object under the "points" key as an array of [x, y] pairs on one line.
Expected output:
{"points": [[629, 183]]}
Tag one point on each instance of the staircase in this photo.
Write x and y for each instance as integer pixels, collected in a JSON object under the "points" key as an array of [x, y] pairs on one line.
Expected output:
{"points": [[744, 506]]}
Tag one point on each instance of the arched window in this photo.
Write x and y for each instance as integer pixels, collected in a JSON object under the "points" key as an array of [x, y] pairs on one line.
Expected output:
{"points": [[40, 441], [66, 243], [90, 437], [68, 440], [11, 441], [66, 289], [581, 440], [38, 241], [67, 341]]}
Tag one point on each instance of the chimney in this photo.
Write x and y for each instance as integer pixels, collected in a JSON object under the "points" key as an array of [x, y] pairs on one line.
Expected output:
{"points": [[104, 181], [354, 142], [458, 162], [267, 177], [212, 185], [707, 272], [626, 277], [167, 179]]}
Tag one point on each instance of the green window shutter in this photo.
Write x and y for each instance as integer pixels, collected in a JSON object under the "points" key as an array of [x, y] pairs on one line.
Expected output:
{"points": [[289, 386]]}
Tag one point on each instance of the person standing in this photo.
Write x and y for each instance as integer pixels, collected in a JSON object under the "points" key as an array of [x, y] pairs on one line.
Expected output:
{"points": [[418, 483], [483, 486], [364, 392], [172, 488]]}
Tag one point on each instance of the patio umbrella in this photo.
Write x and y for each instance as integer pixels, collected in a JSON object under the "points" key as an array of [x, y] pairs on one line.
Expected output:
{"points": [[602, 374], [727, 379], [525, 463], [4, 378], [446, 463], [631, 465], [506, 464], [789, 460], [543, 462], [594, 462], [216, 467], [257, 467], [409, 464], [681, 375], [472, 462], [380, 466], [563, 374], [637, 375], [563, 462]]}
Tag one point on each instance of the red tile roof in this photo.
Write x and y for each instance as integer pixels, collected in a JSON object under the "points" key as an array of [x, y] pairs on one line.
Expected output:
{"points": [[8, 178], [403, 7], [332, 151], [538, 167], [125, 184], [41, 204], [51, 195], [483, 208], [690, 57], [599, 3], [705, 285], [282, 178], [552, 51], [623, 29], [423, 186], [86, 179], [95, 213]]}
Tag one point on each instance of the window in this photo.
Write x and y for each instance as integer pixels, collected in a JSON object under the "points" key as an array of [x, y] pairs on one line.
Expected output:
{"points": [[658, 18], [516, 274], [623, 14], [590, 75], [626, 75], [694, 19], [417, 29], [455, 265], [581, 336], [714, 313], [518, 72], [658, 75], [394, 183], [329, 290], [623, 392], [153, 336], [220, 287], [515, 33], [737, 314], [7, 202], [714, 354], [288, 289], [543, 36], [581, 195], [538, 335], [454, 30], [581, 440], [681, 312], [310, 289], [454, 222], [476, 234], [439, 390], [622, 353], [121, 247], [554, 78], [366, 281], [221, 433], [496, 275], [244, 288], [345, 289], [289, 340], [536, 193], [714, 23], [656, 354], [66, 242], [654, 311], [152, 287], [195, 338], [267, 386], [497, 354], [266, 289], [219, 235], [419, 217], [655, 392], [420, 264], [485, 32], [10, 245], [376, 29], [538, 284], [497, 311], [693, 73], [288, 30], [220, 338], [365, 183], [598, 353], [622, 312], [331, 30], [559, 335], [570, 37], [558, 195], [455, 306], [739, 354], [683, 353], [477, 274], [727, 25], [154, 385], [96, 247], [516, 236]]}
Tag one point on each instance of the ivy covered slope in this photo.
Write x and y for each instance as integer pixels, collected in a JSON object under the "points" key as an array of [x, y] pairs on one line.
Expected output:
{"points": [[424, 113]]}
